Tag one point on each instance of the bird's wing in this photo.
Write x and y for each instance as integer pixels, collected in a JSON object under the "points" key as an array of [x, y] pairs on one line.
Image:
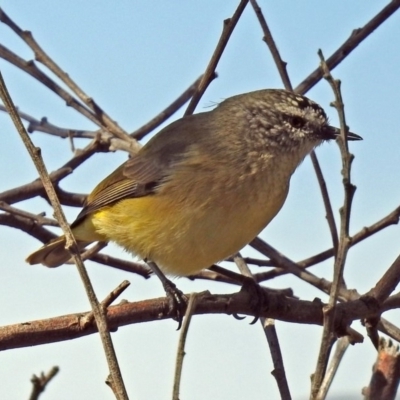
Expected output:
{"points": [[144, 172]]}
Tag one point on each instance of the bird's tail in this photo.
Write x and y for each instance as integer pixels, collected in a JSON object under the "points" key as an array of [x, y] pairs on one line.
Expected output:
{"points": [[54, 253]]}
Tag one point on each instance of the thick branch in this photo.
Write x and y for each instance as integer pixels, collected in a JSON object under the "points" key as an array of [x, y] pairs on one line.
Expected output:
{"points": [[274, 305]]}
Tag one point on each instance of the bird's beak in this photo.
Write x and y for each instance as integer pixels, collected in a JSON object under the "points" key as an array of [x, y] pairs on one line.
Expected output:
{"points": [[330, 132]]}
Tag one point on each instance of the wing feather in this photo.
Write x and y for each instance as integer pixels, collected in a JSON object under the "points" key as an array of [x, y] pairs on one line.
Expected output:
{"points": [[142, 174]]}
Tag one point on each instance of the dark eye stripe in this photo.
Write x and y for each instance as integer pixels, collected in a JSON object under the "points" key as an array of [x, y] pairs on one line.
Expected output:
{"points": [[294, 120], [297, 122]]}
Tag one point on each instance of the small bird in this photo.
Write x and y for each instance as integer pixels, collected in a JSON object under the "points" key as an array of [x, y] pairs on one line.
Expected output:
{"points": [[204, 186]]}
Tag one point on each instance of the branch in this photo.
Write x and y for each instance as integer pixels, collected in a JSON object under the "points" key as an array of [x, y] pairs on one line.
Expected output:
{"points": [[281, 66], [181, 345], [356, 37], [170, 110], [30, 68], [279, 370], [40, 382], [341, 346], [36, 188], [209, 74], [42, 57], [391, 219], [44, 126], [388, 283], [71, 244], [269, 40], [274, 305], [38, 219], [268, 325], [326, 199], [344, 241]]}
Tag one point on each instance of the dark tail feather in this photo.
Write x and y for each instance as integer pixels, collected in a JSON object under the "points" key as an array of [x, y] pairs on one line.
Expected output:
{"points": [[53, 254]]}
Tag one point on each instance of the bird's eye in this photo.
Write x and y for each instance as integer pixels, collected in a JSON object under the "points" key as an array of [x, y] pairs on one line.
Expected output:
{"points": [[297, 122]]}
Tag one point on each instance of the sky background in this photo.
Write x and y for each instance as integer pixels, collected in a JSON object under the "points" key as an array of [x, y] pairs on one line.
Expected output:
{"points": [[134, 59]]}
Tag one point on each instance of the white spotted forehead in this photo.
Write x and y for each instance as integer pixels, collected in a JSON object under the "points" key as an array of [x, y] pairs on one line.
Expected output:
{"points": [[298, 103], [296, 100]]}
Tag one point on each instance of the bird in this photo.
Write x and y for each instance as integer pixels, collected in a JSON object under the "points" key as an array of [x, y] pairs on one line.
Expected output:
{"points": [[204, 186]]}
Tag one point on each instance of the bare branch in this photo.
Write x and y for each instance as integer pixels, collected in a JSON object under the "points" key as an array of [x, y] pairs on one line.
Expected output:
{"points": [[275, 349], [42, 57], [181, 345], [44, 126], [269, 40], [39, 219], [40, 382], [391, 219], [71, 245], [209, 74], [111, 297], [356, 37], [386, 285], [170, 110], [268, 325], [30, 68], [341, 346], [344, 241], [327, 202], [281, 66], [274, 305]]}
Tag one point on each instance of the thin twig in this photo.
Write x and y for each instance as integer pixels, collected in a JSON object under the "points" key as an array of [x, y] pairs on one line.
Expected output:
{"points": [[111, 297], [36, 188], [389, 329], [170, 110], [269, 40], [39, 219], [356, 37], [380, 292], [32, 189], [268, 325], [320, 283], [277, 359], [387, 283], [209, 74], [391, 219], [290, 266], [326, 199], [344, 241], [42, 57], [181, 345], [40, 382], [43, 125], [30, 68], [341, 346], [281, 66], [129, 266], [71, 245]]}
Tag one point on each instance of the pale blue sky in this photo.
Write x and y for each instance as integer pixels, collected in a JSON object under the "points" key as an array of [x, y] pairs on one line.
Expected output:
{"points": [[134, 58]]}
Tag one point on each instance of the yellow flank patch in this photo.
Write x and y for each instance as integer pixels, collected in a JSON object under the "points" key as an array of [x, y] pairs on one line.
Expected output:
{"points": [[184, 238], [86, 231]]}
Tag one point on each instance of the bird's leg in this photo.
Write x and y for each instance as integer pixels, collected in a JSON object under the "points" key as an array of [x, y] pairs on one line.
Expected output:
{"points": [[175, 296]]}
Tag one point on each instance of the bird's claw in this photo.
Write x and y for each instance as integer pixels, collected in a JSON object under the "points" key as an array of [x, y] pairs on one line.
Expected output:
{"points": [[177, 302], [257, 297]]}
